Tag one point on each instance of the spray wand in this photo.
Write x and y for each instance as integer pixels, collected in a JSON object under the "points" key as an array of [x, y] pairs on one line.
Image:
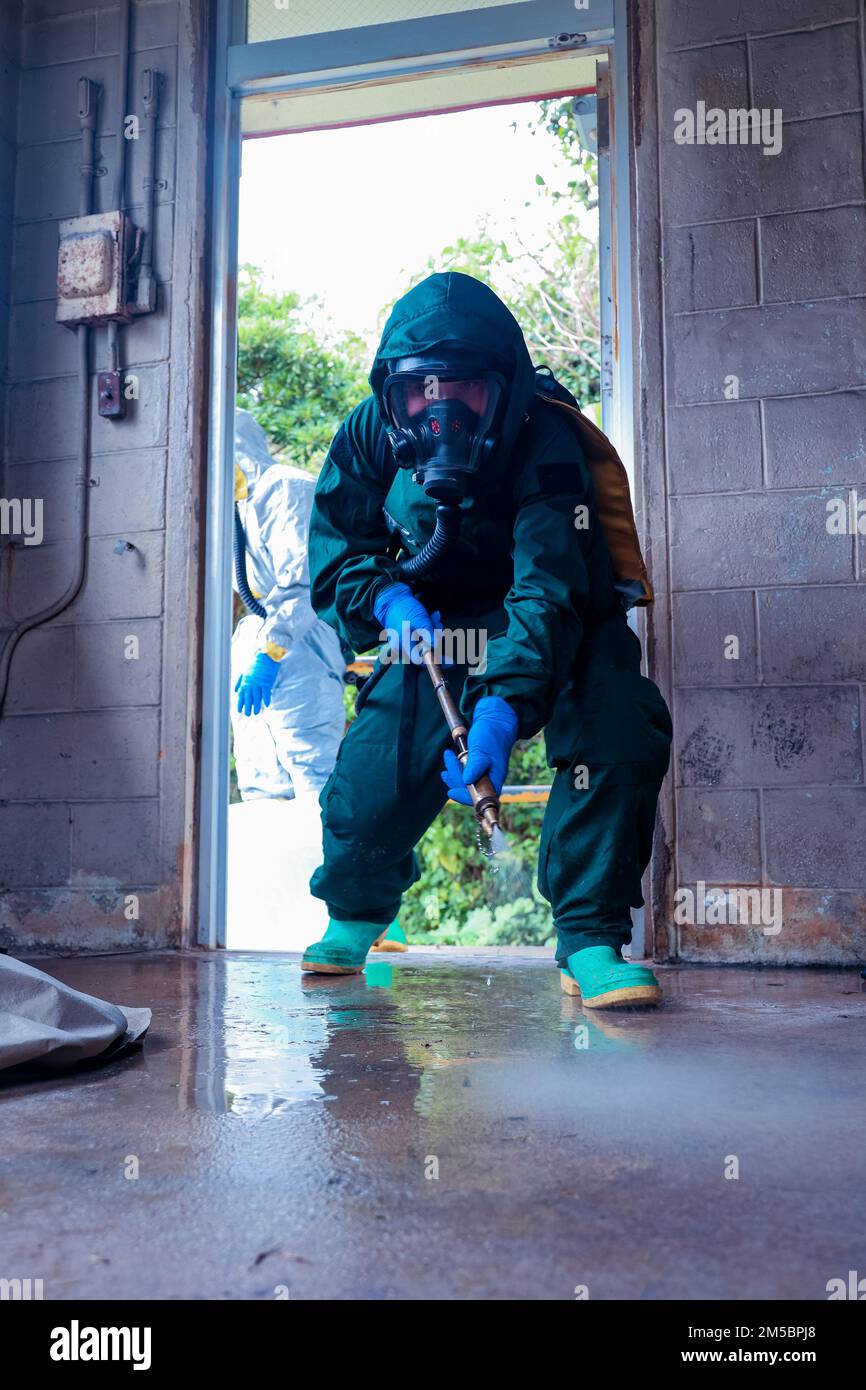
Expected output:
{"points": [[482, 792]]}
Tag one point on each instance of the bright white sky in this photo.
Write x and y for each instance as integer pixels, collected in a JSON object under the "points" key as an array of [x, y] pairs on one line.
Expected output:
{"points": [[350, 215]]}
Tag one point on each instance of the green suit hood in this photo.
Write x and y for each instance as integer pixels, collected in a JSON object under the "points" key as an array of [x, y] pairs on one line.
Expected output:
{"points": [[456, 309]]}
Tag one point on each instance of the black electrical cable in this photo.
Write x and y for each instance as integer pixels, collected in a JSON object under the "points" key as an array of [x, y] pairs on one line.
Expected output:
{"points": [[369, 685], [87, 112], [239, 546]]}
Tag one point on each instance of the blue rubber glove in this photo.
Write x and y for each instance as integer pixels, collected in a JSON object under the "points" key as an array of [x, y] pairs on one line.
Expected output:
{"points": [[402, 615], [254, 688], [491, 739]]}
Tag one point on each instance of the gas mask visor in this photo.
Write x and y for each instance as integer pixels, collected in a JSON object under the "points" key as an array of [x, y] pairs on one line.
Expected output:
{"points": [[445, 417]]}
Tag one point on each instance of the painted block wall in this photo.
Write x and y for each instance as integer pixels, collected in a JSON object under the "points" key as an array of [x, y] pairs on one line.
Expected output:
{"points": [[97, 744], [752, 286], [10, 61], [748, 266]]}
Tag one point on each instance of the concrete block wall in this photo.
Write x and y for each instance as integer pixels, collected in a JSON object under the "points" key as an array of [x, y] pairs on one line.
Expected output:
{"points": [[752, 289], [97, 744], [10, 66]]}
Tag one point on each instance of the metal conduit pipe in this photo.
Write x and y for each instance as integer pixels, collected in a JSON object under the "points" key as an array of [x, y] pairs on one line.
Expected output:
{"points": [[120, 162], [145, 298], [123, 87]]}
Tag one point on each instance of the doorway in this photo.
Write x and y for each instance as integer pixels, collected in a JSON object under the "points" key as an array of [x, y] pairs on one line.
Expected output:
{"points": [[446, 104]]}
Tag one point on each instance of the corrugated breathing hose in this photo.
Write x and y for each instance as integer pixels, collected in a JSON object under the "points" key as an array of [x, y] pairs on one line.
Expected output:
{"points": [[239, 546], [446, 530]]}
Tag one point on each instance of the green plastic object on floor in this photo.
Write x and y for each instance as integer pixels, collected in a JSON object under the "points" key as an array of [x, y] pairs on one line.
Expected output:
{"points": [[343, 949], [603, 980]]}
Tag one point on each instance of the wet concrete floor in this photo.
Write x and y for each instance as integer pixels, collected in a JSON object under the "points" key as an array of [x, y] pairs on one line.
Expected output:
{"points": [[447, 1126]]}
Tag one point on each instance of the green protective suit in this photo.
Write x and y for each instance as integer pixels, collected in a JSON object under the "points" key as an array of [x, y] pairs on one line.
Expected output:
{"points": [[558, 646]]}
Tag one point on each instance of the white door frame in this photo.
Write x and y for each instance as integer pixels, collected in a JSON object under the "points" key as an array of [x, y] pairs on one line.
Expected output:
{"points": [[367, 54]]}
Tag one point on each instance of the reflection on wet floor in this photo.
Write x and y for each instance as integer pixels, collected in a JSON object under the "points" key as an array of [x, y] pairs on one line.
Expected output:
{"points": [[393, 1033], [268, 1047], [379, 975], [448, 1126], [290, 1037]]}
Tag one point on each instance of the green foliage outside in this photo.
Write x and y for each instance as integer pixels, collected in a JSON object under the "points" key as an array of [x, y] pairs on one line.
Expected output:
{"points": [[300, 384], [464, 899], [552, 290], [460, 900]]}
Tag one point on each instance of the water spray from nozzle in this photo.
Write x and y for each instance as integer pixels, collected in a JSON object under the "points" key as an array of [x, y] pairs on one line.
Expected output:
{"points": [[498, 841]]}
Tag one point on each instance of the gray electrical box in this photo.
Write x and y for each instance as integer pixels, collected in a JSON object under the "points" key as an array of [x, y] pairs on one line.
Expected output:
{"points": [[585, 111], [91, 269]]}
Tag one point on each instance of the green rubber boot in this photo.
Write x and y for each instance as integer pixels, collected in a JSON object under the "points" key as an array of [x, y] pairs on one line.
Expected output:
{"points": [[605, 981], [392, 939], [342, 950]]}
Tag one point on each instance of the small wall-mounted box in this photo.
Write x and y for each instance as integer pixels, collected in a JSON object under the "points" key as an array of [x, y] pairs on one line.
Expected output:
{"points": [[91, 269]]}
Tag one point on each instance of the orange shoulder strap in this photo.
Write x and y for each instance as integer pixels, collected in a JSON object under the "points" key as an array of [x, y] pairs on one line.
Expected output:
{"points": [[613, 497]]}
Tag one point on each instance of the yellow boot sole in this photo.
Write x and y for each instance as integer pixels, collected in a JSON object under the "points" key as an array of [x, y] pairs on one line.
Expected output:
{"points": [[380, 944], [324, 969], [623, 998]]}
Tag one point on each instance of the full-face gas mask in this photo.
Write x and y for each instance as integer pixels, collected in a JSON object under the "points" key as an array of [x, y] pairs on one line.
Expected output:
{"points": [[445, 412]]}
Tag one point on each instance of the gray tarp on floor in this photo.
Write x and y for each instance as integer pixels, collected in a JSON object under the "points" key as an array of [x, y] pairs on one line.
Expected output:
{"points": [[43, 1020]]}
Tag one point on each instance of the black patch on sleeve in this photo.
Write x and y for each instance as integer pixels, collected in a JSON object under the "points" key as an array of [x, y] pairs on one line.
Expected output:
{"points": [[342, 453], [558, 477]]}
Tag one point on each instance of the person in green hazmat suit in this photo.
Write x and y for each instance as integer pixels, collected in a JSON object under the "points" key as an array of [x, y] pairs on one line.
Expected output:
{"points": [[455, 500]]}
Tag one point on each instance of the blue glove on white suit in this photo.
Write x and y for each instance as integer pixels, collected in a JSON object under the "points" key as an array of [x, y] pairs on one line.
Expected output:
{"points": [[255, 686], [491, 739]]}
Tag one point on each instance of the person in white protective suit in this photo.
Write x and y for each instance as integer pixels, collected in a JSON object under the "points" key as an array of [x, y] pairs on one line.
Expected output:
{"points": [[287, 666], [288, 718]]}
